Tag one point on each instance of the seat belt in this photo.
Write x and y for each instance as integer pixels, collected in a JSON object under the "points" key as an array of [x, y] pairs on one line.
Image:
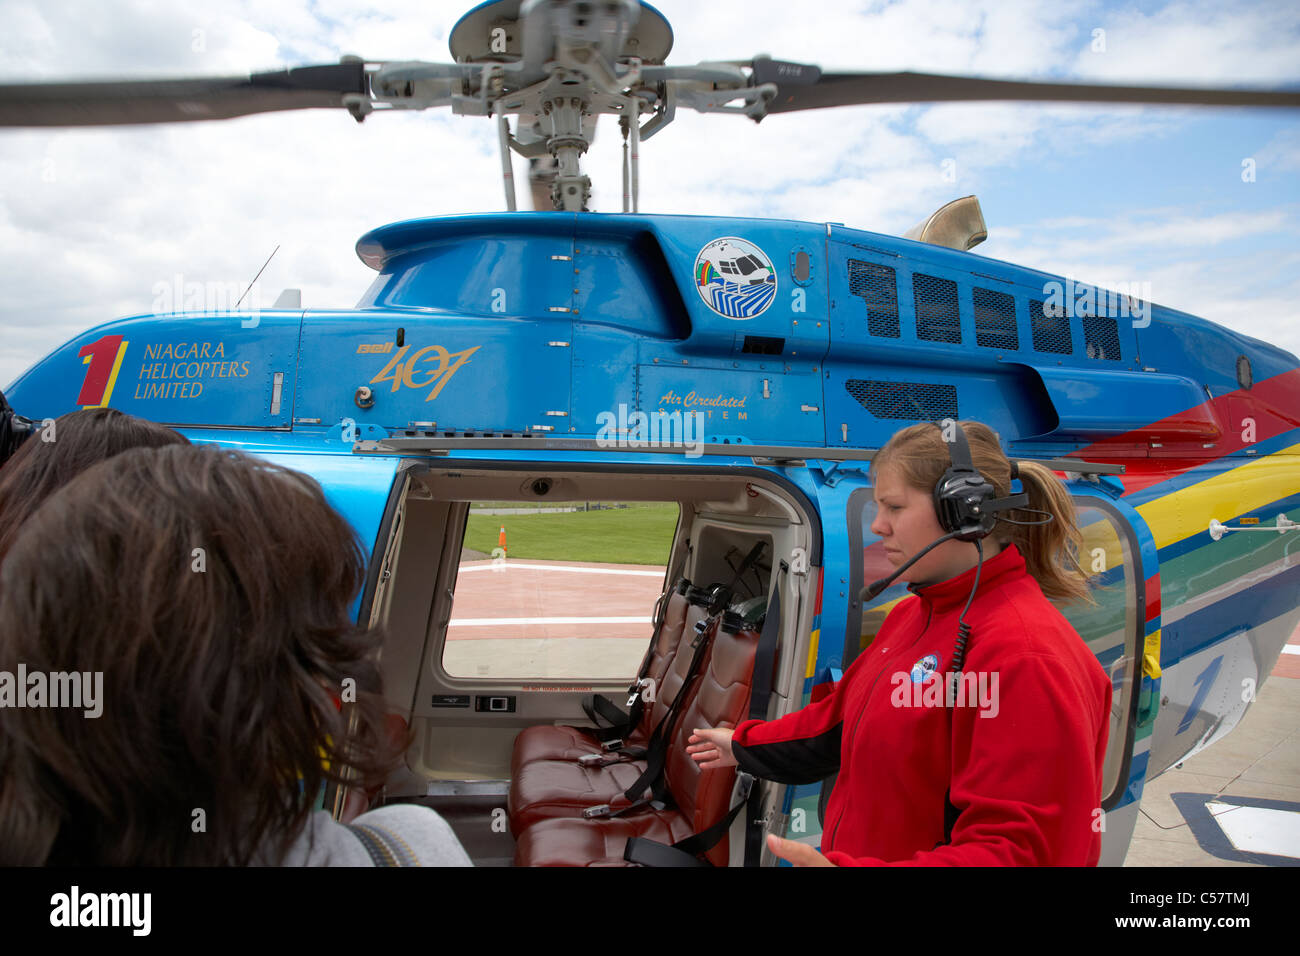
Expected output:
{"points": [[685, 852], [657, 749], [622, 723], [759, 695]]}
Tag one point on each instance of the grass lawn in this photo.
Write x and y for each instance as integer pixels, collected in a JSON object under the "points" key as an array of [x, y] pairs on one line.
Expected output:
{"points": [[637, 534]]}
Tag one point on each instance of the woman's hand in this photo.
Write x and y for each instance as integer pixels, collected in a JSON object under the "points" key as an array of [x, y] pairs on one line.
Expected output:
{"points": [[799, 854], [711, 748]]}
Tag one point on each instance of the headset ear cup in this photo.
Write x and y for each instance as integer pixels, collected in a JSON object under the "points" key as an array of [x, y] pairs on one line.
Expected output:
{"points": [[957, 495], [943, 502]]}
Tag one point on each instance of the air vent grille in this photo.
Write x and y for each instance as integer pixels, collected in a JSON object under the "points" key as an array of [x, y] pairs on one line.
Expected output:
{"points": [[917, 401], [763, 345], [1051, 331], [937, 318], [995, 320], [877, 286], [1101, 335]]}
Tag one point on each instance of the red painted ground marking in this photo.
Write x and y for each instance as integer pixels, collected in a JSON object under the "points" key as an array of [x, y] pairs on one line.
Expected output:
{"points": [[1288, 665], [532, 590]]}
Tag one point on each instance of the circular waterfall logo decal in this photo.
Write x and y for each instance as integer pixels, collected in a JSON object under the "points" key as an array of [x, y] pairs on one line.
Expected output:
{"points": [[735, 278]]}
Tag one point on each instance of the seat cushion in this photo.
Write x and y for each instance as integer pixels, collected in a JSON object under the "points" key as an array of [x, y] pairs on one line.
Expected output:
{"points": [[595, 842], [544, 789], [549, 742]]}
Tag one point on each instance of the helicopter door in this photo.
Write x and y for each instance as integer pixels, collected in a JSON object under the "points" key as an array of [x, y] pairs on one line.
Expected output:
{"points": [[1115, 630], [1113, 538]]}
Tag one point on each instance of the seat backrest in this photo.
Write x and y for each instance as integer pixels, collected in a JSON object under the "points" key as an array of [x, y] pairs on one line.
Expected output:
{"points": [[720, 698], [666, 641], [674, 676]]}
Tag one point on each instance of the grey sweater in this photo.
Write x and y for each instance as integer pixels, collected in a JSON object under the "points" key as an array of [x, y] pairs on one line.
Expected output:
{"points": [[403, 834]]}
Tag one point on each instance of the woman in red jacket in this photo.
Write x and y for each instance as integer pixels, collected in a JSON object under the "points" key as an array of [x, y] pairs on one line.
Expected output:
{"points": [[980, 751]]}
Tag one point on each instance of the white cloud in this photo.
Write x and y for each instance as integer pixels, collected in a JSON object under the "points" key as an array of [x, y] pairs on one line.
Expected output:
{"points": [[91, 220], [1198, 42]]}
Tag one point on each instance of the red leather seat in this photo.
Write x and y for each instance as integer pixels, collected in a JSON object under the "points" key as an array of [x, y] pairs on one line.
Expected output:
{"points": [[699, 798], [552, 742], [541, 789]]}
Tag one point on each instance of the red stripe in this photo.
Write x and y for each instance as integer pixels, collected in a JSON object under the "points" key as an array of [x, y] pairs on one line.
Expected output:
{"points": [[821, 576], [1273, 404], [1153, 597]]}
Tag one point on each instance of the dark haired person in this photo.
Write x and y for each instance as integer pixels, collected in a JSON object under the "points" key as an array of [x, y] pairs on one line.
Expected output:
{"points": [[40, 466], [211, 591], [1008, 777]]}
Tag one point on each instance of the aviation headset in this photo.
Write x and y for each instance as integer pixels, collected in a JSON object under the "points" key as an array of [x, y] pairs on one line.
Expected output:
{"points": [[966, 504], [965, 501]]}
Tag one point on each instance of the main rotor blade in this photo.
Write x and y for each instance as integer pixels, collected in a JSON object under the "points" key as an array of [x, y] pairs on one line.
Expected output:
{"points": [[118, 102], [802, 87]]}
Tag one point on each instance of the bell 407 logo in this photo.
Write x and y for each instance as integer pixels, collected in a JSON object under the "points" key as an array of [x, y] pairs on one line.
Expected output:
{"points": [[430, 367]]}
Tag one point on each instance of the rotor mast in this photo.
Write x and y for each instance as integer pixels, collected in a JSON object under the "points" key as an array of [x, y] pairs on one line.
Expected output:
{"points": [[557, 66]]}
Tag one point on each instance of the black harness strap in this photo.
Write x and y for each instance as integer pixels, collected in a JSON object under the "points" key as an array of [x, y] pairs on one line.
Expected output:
{"points": [[745, 565], [759, 695], [599, 707], [685, 852], [662, 736]]}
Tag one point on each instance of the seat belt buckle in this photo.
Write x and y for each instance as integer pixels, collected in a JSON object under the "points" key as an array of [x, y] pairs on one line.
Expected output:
{"points": [[635, 690], [595, 760], [596, 813], [610, 746], [746, 782]]}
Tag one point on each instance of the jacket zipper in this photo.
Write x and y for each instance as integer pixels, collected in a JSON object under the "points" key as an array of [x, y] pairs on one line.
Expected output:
{"points": [[928, 618]]}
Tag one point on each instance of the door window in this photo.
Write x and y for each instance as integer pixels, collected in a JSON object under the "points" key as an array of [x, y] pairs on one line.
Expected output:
{"points": [[562, 591]]}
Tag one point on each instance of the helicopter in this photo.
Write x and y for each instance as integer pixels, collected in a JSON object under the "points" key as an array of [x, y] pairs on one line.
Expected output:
{"points": [[1176, 436]]}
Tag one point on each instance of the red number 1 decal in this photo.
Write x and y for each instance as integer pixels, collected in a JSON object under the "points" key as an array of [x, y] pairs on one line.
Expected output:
{"points": [[104, 358]]}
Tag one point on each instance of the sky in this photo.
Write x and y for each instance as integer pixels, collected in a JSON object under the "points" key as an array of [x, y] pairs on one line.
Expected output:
{"points": [[1201, 205]]}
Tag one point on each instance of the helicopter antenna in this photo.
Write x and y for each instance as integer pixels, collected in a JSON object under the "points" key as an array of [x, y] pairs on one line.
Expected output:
{"points": [[259, 274]]}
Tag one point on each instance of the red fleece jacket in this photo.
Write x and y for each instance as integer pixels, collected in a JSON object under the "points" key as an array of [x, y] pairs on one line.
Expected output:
{"points": [[1022, 752]]}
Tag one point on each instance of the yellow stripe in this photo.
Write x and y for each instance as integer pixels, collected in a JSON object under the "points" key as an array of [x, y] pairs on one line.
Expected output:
{"points": [[812, 653], [1151, 655], [112, 376], [1187, 512], [816, 635]]}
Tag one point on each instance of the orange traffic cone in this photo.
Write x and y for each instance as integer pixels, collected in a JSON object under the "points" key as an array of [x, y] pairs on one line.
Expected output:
{"points": [[501, 539]]}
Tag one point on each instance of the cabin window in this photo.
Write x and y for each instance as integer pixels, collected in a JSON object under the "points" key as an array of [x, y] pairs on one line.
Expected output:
{"points": [[1111, 628], [995, 320], [1051, 330], [557, 591], [937, 316], [877, 286], [1245, 375]]}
